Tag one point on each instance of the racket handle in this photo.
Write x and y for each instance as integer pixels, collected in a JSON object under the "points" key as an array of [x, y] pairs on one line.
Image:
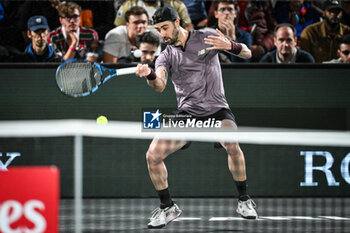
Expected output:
{"points": [[130, 70]]}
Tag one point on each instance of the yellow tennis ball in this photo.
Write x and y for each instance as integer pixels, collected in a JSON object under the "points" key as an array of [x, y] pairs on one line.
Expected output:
{"points": [[102, 120]]}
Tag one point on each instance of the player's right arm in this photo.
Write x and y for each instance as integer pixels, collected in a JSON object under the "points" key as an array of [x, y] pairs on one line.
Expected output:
{"points": [[155, 79]]}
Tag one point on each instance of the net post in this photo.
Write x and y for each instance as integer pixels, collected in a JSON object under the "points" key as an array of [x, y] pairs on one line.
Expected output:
{"points": [[78, 182]]}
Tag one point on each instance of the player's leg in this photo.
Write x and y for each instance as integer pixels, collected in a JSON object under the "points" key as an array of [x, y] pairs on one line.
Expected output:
{"points": [[157, 152], [236, 164], [236, 161]]}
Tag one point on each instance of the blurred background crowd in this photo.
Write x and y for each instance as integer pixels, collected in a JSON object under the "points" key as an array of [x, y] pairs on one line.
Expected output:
{"points": [[121, 31]]}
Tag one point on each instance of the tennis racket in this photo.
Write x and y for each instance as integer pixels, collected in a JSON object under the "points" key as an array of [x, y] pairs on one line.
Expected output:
{"points": [[77, 79]]}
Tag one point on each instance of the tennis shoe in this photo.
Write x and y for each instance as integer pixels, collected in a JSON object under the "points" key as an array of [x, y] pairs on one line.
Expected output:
{"points": [[161, 217], [247, 209]]}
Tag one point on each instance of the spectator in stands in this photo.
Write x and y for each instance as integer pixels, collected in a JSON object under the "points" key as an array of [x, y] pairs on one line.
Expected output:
{"points": [[151, 6], [319, 5], [71, 41], [262, 21], [226, 15], [39, 50], [46, 8], [120, 41], [343, 51], [148, 43], [285, 38], [322, 39], [147, 49], [197, 12], [298, 13]]}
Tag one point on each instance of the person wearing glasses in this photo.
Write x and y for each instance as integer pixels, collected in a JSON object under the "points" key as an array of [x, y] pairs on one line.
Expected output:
{"points": [[121, 41], [343, 51], [70, 40], [226, 13], [39, 50]]}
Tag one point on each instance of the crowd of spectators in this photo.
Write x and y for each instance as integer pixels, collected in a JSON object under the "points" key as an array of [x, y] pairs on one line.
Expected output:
{"points": [[121, 31]]}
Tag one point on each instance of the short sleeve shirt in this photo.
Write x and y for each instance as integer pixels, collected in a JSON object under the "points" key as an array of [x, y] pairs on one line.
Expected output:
{"points": [[196, 75], [117, 42]]}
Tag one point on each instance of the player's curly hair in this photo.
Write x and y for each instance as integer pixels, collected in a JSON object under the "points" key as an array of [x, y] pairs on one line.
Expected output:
{"points": [[68, 8]]}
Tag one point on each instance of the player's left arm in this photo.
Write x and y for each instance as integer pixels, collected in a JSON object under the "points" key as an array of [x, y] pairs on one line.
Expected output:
{"points": [[221, 42]]}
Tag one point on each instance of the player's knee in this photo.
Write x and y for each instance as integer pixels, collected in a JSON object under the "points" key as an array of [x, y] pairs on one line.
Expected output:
{"points": [[232, 148], [153, 156]]}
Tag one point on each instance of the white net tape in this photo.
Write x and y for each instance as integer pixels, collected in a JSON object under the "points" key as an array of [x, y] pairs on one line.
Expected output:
{"points": [[122, 129]]}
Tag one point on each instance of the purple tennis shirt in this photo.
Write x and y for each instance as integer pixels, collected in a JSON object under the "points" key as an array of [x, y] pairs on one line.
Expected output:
{"points": [[196, 75]]}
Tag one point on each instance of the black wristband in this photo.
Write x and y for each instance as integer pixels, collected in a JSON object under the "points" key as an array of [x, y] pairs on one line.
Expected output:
{"points": [[152, 75], [236, 48]]}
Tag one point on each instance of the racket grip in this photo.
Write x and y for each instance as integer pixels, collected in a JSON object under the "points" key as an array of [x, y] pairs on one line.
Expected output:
{"points": [[130, 70]]}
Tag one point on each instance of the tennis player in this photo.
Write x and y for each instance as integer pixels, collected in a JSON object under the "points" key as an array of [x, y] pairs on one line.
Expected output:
{"points": [[191, 57]]}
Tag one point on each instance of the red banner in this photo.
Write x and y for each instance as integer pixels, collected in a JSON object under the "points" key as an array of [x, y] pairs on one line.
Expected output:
{"points": [[29, 200]]}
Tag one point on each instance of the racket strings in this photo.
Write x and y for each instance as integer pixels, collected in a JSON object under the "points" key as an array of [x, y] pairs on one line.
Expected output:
{"points": [[77, 79]]}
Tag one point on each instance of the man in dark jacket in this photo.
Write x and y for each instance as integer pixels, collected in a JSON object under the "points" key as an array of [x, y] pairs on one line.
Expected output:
{"points": [[285, 39]]}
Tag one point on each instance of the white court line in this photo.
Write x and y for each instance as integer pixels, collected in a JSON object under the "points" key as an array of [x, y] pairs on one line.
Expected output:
{"points": [[281, 218], [225, 219], [290, 218], [187, 219], [213, 219], [277, 218], [335, 218]]}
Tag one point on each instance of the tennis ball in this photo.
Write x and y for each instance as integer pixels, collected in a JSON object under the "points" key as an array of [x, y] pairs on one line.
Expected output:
{"points": [[137, 53], [102, 120]]}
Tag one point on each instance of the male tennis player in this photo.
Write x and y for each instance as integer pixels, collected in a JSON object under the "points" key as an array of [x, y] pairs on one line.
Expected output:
{"points": [[192, 59]]}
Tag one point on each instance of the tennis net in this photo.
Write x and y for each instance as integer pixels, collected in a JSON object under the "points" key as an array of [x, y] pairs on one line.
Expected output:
{"points": [[298, 178]]}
